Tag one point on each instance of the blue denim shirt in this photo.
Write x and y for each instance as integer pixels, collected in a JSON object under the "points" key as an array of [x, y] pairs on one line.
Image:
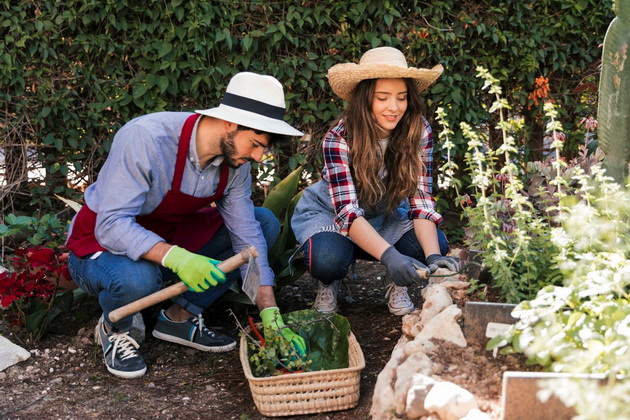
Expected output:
{"points": [[138, 173]]}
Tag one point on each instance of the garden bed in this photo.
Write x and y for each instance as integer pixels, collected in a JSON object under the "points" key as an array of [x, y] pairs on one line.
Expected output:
{"points": [[67, 378]]}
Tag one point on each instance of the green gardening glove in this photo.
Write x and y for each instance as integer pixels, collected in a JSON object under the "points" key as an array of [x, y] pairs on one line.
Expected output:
{"points": [[198, 272], [273, 323]]}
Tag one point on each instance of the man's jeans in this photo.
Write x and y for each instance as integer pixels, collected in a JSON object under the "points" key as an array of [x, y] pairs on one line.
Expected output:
{"points": [[118, 280], [328, 255]]}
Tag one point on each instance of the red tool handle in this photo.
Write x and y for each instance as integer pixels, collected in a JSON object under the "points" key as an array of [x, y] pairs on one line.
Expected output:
{"points": [[255, 330]]}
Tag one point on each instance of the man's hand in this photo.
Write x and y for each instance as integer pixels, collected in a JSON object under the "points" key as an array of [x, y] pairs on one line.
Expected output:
{"points": [[436, 260], [273, 324], [198, 272], [402, 269]]}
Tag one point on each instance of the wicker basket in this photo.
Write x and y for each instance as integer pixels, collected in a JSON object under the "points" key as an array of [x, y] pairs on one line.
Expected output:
{"points": [[308, 392]]}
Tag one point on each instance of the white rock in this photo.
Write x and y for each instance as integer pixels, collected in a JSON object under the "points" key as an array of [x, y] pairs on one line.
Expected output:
{"points": [[410, 323], [416, 363], [449, 401], [436, 299], [10, 353], [455, 284], [420, 344], [444, 326], [420, 387], [475, 414], [383, 399]]}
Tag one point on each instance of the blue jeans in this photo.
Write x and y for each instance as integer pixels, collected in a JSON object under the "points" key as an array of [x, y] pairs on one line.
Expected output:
{"points": [[328, 255], [118, 280]]}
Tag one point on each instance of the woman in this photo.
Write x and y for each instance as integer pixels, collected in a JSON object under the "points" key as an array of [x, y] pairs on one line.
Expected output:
{"points": [[374, 200]]}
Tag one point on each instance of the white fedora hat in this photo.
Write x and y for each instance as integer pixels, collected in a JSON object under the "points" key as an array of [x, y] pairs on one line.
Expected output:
{"points": [[255, 101], [379, 63]]}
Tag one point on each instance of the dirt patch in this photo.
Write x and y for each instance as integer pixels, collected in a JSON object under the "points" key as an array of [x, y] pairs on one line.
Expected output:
{"points": [[66, 378]]}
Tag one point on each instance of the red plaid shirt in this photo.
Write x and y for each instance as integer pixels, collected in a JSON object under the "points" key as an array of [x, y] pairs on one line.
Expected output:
{"points": [[342, 190]]}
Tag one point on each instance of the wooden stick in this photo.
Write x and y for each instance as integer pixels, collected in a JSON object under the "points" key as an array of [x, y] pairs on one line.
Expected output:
{"points": [[226, 266]]}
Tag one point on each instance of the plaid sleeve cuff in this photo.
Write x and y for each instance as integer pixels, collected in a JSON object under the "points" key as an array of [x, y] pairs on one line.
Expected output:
{"points": [[346, 216], [429, 215]]}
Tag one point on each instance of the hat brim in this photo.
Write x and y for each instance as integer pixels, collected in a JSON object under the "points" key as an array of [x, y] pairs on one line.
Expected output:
{"points": [[251, 120], [343, 78]]}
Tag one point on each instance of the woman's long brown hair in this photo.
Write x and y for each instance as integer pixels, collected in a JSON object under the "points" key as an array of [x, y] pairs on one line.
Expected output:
{"points": [[402, 157]]}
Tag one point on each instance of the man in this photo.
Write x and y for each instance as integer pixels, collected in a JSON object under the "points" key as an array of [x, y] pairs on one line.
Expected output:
{"points": [[147, 217]]}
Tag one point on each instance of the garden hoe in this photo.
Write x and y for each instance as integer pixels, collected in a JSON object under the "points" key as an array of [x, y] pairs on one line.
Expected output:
{"points": [[250, 284]]}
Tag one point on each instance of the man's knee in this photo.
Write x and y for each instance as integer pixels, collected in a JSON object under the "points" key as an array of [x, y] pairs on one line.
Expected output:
{"points": [[443, 242], [138, 280], [269, 223]]}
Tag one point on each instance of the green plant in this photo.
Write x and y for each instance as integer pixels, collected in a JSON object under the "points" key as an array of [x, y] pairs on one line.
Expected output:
{"points": [[583, 326], [282, 200], [513, 237], [46, 229], [614, 101], [326, 336], [73, 72]]}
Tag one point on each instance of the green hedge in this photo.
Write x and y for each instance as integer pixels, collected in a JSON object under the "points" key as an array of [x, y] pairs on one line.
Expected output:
{"points": [[72, 72]]}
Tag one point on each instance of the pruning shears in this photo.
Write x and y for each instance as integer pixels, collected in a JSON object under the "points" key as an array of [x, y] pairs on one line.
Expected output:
{"points": [[256, 332]]}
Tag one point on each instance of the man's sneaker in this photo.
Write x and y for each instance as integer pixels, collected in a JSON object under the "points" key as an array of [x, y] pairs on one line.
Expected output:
{"points": [[398, 299], [326, 300], [120, 352], [191, 333]]}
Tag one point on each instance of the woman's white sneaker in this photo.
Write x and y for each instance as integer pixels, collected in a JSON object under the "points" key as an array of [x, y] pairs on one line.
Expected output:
{"points": [[398, 299], [326, 300]]}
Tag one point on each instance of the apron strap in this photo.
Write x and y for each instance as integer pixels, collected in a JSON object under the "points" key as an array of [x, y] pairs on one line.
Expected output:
{"points": [[182, 151]]}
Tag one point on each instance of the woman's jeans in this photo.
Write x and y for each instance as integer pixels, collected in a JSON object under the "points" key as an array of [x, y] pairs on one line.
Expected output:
{"points": [[118, 280], [328, 255]]}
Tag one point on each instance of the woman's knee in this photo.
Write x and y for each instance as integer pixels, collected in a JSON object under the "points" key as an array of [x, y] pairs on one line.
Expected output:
{"points": [[328, 256]]}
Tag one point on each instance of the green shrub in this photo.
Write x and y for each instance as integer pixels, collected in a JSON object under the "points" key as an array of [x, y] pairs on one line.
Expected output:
{"points": [[73, 72]]}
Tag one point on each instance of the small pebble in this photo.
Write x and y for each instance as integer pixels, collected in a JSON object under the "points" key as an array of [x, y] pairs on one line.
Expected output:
{"points": [[56, 381]]}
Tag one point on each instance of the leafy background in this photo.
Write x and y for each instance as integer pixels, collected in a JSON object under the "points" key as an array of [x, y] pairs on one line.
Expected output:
{"points": [[74, 72]]}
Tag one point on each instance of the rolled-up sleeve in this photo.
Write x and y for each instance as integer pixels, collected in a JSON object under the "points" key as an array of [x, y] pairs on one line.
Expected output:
{"points": [[123, 185], [422, 205], [341, 185]]}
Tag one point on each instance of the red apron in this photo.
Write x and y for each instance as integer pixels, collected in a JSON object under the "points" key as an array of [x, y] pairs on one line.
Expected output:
{"points": [[180, 219]]}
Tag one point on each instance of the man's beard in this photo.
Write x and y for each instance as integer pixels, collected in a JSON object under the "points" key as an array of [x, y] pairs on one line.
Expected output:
{"points": [[228, 150]]}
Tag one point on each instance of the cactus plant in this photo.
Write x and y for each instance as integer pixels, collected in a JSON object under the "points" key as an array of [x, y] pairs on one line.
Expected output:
{"points": [[614, 94]]}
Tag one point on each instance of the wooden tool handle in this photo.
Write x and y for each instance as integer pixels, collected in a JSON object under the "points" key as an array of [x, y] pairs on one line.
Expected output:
{"points": [[226, 266]]}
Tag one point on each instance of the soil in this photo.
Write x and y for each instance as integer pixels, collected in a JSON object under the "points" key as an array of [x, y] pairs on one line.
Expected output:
{"points": [[65, 378]]}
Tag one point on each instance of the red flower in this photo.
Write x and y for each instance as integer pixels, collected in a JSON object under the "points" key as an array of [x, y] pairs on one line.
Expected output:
{"points": [[41, 256]]}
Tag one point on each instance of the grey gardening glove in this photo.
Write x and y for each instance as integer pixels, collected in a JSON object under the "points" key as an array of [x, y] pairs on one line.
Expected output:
{"points": [[402, 269], [435, 261]]}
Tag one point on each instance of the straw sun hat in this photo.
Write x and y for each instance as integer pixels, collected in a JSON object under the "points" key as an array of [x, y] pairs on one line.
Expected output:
{"points": [[378, 63]]}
